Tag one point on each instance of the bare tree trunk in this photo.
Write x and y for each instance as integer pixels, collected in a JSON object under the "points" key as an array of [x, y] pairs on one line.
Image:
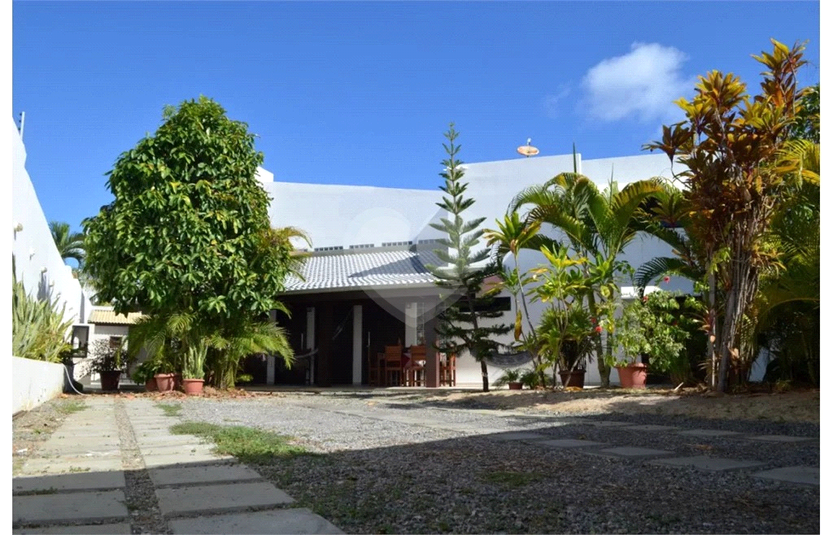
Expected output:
{"points": [[604, 369], [484, 370], [712, 331]]}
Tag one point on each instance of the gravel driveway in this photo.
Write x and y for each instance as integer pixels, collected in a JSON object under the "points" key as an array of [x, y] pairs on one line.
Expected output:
{"points": [[393, 465]]}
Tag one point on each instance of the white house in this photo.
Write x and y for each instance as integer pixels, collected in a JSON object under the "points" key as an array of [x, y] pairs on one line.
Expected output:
{"points": [[366, 284]]}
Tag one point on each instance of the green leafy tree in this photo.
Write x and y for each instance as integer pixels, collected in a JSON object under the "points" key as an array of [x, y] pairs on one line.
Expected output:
{"points": [[188, 232], [462, 326], [730, 144]]}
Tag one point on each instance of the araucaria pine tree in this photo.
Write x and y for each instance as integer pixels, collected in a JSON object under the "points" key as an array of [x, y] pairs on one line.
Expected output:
{"points": [[462, 326]]}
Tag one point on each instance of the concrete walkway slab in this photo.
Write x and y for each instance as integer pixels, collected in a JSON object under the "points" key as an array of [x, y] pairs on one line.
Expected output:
{"points": [[803, 475], [215, 498], [71, 465], [713, 464], [629, 452], [180, 459], [570, 443], [178, 448], [68, 507], [91, 529], [284, 521], [82, 450], [779, 438], [190, 475], [168, 439], [519, 435], [83, 481], [708, 433], [649, 428]]}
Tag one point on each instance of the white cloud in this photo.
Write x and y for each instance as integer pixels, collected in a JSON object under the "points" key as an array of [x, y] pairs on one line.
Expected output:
{"points": [[551, 102], [641, 84]]}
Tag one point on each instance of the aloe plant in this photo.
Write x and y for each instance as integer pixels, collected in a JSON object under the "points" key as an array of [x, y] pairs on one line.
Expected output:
{"points": [[38, 326]]}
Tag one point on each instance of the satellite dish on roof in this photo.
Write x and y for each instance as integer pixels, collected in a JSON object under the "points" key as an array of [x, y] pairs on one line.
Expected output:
{"points": [[528, 150]]}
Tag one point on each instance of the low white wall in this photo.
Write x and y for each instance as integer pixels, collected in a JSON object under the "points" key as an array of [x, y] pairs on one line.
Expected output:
{"points": [[34, 382]]}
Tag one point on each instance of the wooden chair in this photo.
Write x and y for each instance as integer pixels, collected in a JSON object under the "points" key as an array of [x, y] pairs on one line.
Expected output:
{"points": [[416, 366], [373, 364], [393, 374], [448, 370]]}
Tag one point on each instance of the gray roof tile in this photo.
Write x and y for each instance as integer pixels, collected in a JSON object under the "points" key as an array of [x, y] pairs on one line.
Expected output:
{"points": [[356, 270]]}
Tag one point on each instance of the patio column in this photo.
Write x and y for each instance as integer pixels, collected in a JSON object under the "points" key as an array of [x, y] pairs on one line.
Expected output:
{"points": [[324, 333], [358, 346], [432, 364], [270, 359]]}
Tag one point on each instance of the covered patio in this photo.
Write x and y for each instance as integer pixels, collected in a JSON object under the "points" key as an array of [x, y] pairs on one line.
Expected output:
{"points": [[350, 306]]}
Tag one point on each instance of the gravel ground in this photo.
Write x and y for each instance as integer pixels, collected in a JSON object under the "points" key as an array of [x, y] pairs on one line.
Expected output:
{"points": [[386, 465]]}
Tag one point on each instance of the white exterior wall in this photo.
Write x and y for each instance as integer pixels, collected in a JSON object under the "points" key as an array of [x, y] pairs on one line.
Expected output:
{"points": [[335, 215], [38, 263], [34, 383]]}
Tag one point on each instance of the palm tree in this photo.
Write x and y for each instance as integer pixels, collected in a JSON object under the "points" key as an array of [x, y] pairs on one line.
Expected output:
{"points": [[597, 225], [69, 244]]}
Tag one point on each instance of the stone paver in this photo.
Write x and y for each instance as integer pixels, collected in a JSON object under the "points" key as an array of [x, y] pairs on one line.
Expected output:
{"points": [[803, 475], [215, 498], [83, 481], [94, 529], [285, 521], [570, 443], [714, 464], [74, 506], [201, 474], [71, 465], [779, 438], [520, 435], [708, 433], [184, 459], [605, 423], [631, 452]]}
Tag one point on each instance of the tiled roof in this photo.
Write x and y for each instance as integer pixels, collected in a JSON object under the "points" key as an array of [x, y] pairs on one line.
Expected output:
{"points": [[109, 317], [356, 270]]}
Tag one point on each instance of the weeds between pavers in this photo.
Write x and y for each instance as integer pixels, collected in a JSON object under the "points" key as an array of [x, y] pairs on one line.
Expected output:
{"points": [[170, 409], [69, 407], [248, 444]]}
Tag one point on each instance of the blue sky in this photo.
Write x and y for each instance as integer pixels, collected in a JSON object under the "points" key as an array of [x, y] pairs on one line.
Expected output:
{"points": [[361, 93]]}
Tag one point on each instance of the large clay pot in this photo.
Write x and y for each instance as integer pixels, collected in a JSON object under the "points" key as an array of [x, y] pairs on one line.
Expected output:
{"points": [[633, 376], [515, 385], [150, 385], [164, 381], [192, 386], [110, 380], [573, 378]]}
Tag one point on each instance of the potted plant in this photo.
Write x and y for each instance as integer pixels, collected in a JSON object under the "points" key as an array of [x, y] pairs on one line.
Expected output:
{"points": [[649, 329], [193, 371], [145, 374], [512, 378], [566, 341], [532, 380], [108, 362]]}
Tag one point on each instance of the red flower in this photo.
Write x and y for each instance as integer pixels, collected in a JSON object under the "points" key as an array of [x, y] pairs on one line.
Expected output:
{"points": [[598, 328], [666, 278], [645, 299], [593, 321]]}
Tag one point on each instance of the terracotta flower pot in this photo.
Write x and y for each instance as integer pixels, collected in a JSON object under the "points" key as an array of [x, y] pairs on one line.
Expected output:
{"points": [[150, 385], [515, 385], [633, 376], [110, 380], [193, 386], [164, 381], [573, 378]]}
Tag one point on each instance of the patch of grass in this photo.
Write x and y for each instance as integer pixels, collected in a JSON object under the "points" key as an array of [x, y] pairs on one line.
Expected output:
{"points": [[170, 409], [69, 407], [75, 469], [512, 479], [248, 444]]}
